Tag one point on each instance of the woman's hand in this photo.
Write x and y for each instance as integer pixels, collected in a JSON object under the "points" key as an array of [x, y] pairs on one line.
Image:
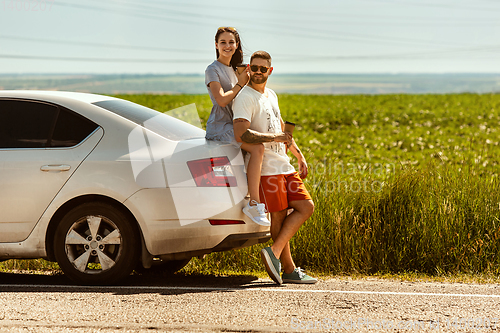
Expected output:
{"points": [[244, 77]]}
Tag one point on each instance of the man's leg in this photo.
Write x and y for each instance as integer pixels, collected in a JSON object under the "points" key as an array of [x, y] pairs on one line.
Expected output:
{"points": [[284, 227]]}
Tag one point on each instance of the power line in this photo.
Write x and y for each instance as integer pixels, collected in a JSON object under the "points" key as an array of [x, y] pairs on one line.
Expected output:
{"points": [[397, 56], [297, 57], [30, 57], [324, 10], [435, 5], [321, 36], [117, 11], [313, 33], [401, 56], [104, 45], [331, 15]]}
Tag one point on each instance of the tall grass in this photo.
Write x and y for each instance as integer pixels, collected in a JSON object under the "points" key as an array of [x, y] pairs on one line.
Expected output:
{"points": [[429, 220]]}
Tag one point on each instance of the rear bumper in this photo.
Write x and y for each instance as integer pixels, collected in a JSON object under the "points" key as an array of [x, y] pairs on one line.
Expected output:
{"points": [[231, 242], [165, 233]]}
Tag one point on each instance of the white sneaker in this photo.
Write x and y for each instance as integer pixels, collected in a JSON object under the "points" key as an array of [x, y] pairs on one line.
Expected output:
{"points": [[257, 213]]}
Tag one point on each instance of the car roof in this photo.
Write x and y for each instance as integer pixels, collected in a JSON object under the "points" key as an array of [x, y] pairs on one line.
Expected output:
{"points": [[55, 96]]}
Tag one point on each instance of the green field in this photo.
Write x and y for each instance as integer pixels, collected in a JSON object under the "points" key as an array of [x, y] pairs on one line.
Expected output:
{"points": [[402, 183]]}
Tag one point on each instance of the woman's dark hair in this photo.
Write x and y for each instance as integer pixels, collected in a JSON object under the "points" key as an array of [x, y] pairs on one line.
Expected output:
{"points": [[237, 57]]}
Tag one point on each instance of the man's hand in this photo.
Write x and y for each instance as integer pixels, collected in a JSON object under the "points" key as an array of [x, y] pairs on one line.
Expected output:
{"points": [[285, 137], [303, 168]]}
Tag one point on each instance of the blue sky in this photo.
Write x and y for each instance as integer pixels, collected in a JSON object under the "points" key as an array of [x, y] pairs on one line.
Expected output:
{"points": [[313, 36]]}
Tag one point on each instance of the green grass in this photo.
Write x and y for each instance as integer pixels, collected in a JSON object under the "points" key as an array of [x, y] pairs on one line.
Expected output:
{"points": [[404, 185], [426, 220], [38, 265]]}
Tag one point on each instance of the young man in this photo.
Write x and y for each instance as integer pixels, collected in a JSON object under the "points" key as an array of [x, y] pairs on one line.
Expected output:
{"points": [[257, 119]]}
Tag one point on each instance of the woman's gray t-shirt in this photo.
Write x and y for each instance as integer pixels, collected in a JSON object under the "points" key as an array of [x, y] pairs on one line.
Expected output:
{"points": [[220, 121]]}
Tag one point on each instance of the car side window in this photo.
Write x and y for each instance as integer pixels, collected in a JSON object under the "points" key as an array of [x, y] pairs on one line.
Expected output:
{"points": [[32, 124], [71, 129], [26, 124]]}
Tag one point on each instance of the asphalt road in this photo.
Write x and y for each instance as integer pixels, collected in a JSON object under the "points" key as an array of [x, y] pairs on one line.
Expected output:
{"points": [[32, 303]]}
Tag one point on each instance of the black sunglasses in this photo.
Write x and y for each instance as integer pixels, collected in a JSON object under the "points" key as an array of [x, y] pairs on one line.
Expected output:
{"points": [[263, 69]]}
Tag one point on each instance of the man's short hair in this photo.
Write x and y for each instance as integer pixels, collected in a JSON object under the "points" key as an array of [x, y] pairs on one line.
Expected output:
{"points": [[262, 55]]}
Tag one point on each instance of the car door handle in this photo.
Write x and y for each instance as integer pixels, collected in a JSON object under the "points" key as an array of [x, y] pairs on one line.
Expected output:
{"points": [[55, 167]]}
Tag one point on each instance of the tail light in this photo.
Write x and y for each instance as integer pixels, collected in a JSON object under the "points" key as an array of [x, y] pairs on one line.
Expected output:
{"points": [[212, 172]]}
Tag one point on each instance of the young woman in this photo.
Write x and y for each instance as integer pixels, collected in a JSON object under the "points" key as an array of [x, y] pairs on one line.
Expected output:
{"points": [[223, 84]]}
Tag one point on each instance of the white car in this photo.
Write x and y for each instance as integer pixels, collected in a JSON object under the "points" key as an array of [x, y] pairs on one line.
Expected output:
{"points": [[102, 185]]}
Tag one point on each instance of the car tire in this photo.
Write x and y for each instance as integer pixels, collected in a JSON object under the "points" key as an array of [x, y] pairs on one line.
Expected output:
{"points": [[96, 244]]}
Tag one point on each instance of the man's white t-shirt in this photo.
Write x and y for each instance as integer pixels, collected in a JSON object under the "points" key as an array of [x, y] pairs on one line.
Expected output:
{"points": [[264, 116]]}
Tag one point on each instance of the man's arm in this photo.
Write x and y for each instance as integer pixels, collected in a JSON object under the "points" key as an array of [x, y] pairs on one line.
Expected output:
{"points": [[296, 151], [243, 133], [303, 169]]}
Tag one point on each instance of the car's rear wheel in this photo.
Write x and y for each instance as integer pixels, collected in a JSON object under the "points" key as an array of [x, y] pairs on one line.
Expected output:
{"points": [[95, 243]]}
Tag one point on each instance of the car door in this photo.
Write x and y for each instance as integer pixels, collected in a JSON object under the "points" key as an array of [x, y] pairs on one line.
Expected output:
{"points": [[41, 145]]}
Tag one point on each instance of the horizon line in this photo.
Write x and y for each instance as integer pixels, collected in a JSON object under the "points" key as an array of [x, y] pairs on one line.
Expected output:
{"points": [[275, 74]]}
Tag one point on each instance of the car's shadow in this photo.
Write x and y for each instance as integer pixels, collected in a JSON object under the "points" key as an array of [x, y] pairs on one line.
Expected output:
{"points": [[167, 284]]}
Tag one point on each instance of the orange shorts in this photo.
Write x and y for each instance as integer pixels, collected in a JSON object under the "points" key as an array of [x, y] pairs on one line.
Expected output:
{"points": [[277, 191]]}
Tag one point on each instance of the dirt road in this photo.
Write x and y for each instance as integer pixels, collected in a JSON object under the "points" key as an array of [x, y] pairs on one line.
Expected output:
{"points": [[31, 303]]}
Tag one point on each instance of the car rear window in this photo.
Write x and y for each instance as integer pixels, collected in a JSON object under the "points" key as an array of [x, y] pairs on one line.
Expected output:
{"points": [[162, 124]]}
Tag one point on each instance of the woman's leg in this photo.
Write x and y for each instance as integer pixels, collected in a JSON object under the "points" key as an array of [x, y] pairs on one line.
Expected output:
{"points": [[254, 168]]}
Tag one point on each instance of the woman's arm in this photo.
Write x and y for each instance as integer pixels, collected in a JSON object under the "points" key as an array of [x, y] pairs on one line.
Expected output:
{"points": [[224, 98]]}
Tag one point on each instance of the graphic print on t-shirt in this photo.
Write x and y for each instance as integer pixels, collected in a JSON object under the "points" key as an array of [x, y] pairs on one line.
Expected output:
{"points": [[273, 125]]}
